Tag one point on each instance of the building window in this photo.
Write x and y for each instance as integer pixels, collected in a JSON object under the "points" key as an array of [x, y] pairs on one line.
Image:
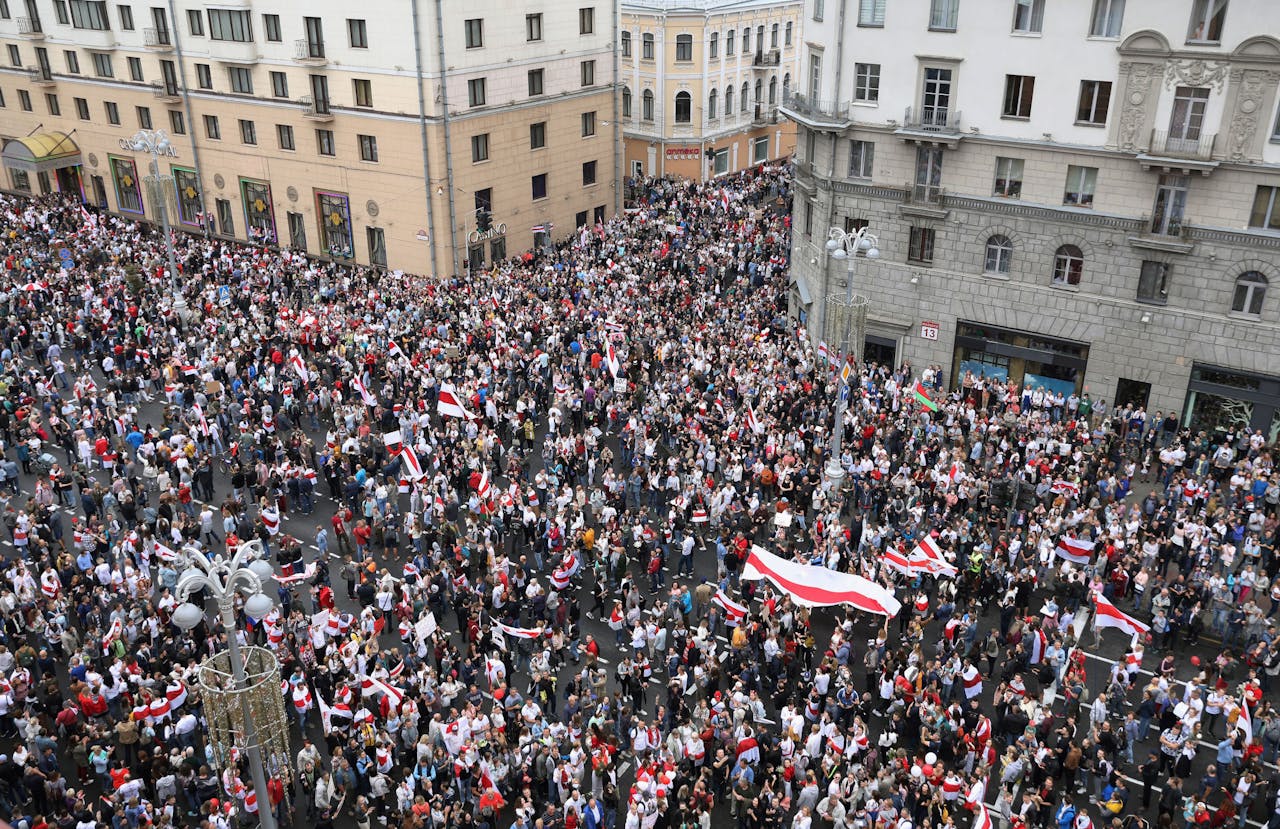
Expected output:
{"points": [[1081, 184], [815, 77], [1068, 265], [60, 10], [204, 76], [819, 10], [113, 113], [773, 36], [746, 40], [862, 156], [713, 99], [126, 17], [587, 21], [144, 117], [248, 132], [324, 142], [271, 27], [195, 22], [212, 130], [363, 92], [728, 42], [357, 33], [284, 135], [588, 72], [1018, 92], [177, 123], [1028, 16], [88, 14], [135, 69], [588, 173], [1187, 119], [684, 108], [535, 82], [1108, 18], [920, 245], [227, 24], [1207, 17], [474, 29], [368, 147], [24, 100], [82, 109], [866, 82], [102, 65], [646, 47], [128, 189], [1153, 283], [871, 12], [626, 44], [713, 46], [928, 184], [1171, 205], [479, 148], [1008, 178], [377, 246], [538, 186], [646, 105], [1251, 291], [684, 48], [1095, 102], [241, 80], [588, 124], [279, 85], [533, 27], [1266, 208], [999, 255], [943, 15], [728, 101], [51, 103], [15, 55], [475, 92], [73, 62], [538, 135], [786, 34], [626, 102]]}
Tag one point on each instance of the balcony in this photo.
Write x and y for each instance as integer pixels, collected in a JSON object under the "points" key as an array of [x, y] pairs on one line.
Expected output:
{"points": [[29, 28], [1168, 153], [764, 116], [923, 201], [158, 39], [309, 52], [816, 114], [40, 77], [233, 51], [938, 125], [767, 60], [167, 92], [1164, 234], [316, 110]]}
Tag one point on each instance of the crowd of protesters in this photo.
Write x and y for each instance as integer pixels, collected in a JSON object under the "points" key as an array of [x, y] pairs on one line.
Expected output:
{"points": [[592, 436]]}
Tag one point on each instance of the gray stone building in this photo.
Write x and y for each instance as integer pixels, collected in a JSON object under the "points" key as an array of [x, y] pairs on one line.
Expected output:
{"points": [[1080, 196]]}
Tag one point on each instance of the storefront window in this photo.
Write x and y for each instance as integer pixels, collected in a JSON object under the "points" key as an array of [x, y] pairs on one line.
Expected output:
{"points": [[335, 224], [1026, 359], [128, 189], [259, 214], [188, 195], [1214, 413]]}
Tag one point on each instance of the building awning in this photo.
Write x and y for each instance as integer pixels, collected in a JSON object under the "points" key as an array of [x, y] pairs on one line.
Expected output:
{"points": [[41, 152], [802, 288]]}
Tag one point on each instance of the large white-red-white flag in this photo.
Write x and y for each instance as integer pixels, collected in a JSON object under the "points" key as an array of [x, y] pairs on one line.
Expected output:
{"points": [[300, 366], [611, 360], [814, 586], [928, 556], [449, 403], [734, 612], [753, 422], [972, 679], [365, 395], [411, 464], [1075, 550], [1107, 615]]}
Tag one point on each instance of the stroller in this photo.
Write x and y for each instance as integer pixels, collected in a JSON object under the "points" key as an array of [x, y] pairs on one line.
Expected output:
{"points": [[42, 463]]}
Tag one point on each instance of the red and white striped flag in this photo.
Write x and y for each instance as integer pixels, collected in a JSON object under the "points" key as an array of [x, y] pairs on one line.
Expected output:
{"points": [[411, 465], [271, 520], [1075, 550], [300, 366], [1107, 615], [204, 424], [972, 679], [369, 399], [394, 350], [519, 633], [1065, 487], [929, 558], [611, 360], [734, 612], [753, 422], [449, 403]]}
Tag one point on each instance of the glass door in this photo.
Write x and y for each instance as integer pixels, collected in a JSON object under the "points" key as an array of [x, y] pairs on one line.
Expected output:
{"points": [[937, 97]]}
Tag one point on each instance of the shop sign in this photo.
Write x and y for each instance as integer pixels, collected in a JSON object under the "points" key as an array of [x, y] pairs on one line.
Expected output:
{"points": [[681, 153], [499, 230], [928, 330]]}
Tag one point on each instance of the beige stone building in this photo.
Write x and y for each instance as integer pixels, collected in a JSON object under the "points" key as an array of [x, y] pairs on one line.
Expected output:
{"points": [[381, 134], [702, 81]]}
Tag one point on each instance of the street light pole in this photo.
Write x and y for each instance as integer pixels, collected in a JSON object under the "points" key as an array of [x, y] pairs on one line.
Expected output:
{"points": [[849, 312], [245, 573], [157, 143]]}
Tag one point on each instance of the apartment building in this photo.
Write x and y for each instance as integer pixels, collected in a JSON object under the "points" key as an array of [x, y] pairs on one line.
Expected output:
{"points": [[430, 136], [702, 81], [1082, 196]]}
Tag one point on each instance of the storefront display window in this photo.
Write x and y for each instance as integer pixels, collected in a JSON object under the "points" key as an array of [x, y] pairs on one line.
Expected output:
{"points": [[188, 188], [259, 213], [1023, 358], [334, 211], [124, 173]]}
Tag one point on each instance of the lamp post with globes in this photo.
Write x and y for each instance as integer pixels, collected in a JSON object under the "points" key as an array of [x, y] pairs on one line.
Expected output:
{"points": [[156, 143], [846, 316], [244, 574]]}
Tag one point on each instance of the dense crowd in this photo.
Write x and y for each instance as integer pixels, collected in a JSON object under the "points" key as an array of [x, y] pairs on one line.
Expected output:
{"points": [[594, 436]]}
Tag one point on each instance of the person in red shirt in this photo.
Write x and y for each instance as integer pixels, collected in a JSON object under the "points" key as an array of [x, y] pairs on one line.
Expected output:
{"points": [[362, 533]]}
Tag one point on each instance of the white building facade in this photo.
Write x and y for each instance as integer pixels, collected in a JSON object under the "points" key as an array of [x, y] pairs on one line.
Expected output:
{"points": [[1083, 196]]}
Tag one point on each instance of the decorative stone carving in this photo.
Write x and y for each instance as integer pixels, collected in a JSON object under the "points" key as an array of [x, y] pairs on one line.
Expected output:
{"points": [[1250, 87], [1134, 113], [93, 160], [219, 181], [371, 208], [1196, 73], [292, 193]]}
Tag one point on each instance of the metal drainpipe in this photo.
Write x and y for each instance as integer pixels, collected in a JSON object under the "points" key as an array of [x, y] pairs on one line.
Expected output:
{"points": [[617, 113], [448, 143], [191, 118], [660, 43], [839, 52], [422, 132]]}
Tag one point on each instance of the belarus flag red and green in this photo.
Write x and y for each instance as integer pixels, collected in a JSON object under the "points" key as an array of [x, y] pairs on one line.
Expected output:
{"points": [[922, 397]]}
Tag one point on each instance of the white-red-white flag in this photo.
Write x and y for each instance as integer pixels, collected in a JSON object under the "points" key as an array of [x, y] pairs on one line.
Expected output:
{"points": [[412, 466], [449, 403], [365, 395], [1075, 550], [1107, 615], [734, 612], [300, 366]]}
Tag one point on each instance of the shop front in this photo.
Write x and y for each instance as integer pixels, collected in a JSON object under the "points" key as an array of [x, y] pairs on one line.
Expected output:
{"points": [[1025, 358], [1220, 400]]}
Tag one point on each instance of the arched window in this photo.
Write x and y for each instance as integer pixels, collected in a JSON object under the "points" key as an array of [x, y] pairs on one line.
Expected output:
{"points": [[646, 105], [773, 90], [713, 97], [1068, 265], [746, 96], [759, 91], [786, 83], [684, 107], [999, 255], [728, 101], [626, 102], [1251, 291]]}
